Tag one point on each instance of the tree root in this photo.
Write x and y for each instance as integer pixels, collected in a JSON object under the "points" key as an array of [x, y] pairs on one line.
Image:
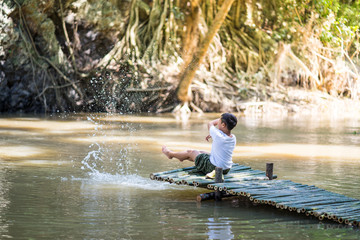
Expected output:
{"points": [[184, 109], [24, 31]]}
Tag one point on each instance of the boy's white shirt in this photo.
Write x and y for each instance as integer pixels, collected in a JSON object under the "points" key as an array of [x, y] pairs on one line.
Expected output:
{"points": [[222, 148]]}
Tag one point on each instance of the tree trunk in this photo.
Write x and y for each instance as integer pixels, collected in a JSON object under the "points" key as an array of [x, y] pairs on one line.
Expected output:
{"points": [[191, 35], [190, 70]]}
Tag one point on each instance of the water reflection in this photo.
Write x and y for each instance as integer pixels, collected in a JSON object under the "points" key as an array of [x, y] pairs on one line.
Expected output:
{"points": [[219, 229], [20, 152], [4, 201], [44, 126]]}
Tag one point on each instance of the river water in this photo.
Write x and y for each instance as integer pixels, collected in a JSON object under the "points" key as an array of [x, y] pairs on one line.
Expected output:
{"points": [[86, 176]]}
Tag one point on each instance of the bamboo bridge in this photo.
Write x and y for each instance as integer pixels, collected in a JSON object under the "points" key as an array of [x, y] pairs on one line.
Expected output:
{"points": [[255, 186]]}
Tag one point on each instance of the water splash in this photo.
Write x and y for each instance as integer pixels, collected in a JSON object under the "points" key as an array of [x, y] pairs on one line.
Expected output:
{"points": [[107, 163], [107, 168], [93, 159], [132, 181]]}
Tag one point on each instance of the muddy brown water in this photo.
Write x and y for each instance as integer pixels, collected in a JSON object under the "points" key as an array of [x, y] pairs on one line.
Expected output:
{"points": [[86, 176]]}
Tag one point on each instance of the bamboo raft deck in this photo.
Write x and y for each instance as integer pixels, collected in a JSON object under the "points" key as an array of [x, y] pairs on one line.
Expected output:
{"points": [[255, 186]]}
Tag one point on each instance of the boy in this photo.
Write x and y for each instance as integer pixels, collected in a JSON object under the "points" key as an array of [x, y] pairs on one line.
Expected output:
{"points": [[221, 149]]}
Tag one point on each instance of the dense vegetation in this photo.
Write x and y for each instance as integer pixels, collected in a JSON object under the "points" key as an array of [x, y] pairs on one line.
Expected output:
{"points": [[131, 56]]}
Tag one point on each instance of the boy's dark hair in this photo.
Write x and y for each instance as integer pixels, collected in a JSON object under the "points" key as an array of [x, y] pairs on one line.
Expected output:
{"points": [[229, 119]]}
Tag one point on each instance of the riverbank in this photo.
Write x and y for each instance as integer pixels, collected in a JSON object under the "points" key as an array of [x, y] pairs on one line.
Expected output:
{"points": [[296, 101], [265, 101], [79, 56]]}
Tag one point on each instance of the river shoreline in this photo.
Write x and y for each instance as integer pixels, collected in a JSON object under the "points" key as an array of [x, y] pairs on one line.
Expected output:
{"points": [[293, 102], [296, 101]]}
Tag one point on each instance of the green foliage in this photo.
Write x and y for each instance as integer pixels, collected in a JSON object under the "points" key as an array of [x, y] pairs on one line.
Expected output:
{"points": [[7, 34], [338, 21], [341, 26], [287, 15], [326, 7], [350, 12], [178, 14]]}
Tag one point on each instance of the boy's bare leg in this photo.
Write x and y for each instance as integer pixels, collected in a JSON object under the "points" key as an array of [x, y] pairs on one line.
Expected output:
{"points": [[185, 155]]}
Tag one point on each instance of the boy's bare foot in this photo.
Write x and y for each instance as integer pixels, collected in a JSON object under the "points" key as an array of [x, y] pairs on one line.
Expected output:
{"points": [[166, 151]]}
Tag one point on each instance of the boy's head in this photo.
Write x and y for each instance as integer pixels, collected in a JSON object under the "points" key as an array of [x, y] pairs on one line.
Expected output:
{"points": [[229, 119]]}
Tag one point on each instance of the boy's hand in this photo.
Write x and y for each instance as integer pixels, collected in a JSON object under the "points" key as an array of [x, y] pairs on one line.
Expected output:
{"points": [[214, 123], [208, 137]]}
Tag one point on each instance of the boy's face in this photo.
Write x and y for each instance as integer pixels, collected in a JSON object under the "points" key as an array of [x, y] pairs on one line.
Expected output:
{"points": [[222, 125]]}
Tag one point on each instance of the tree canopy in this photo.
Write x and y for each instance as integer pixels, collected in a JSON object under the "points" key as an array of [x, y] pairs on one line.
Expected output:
{"points": [[131, 56]]}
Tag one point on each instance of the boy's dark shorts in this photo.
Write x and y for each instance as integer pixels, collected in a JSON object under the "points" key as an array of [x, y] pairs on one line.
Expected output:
{"points": [[203, 164]]}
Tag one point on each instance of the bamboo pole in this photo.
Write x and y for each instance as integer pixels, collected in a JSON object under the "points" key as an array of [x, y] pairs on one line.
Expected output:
{"points": [[272, 198], [186, 170], [172, 171], [203, 183], [243, 174], [181, 174], [239, 168], [331, 215], [311, 204], [314, 201], [264, 190], [284, 198], [311, 193], [252, 176], [267, 192], [273, 184], [342, 212], [276, 193], [307, 208], [246, 172], [348, 211], [355, 215], [339, 208], [254, 186]]}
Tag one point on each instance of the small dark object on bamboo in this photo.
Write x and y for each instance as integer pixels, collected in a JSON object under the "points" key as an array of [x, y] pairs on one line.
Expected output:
{"points": [[269, 170]]}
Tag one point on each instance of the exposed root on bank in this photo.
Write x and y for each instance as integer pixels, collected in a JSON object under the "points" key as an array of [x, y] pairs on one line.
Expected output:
{"points": [[183, 112], [182, 108]]}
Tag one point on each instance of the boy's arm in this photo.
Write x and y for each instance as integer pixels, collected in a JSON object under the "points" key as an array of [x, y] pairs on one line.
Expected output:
{"points": [[207, 137], [212, 123]]}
